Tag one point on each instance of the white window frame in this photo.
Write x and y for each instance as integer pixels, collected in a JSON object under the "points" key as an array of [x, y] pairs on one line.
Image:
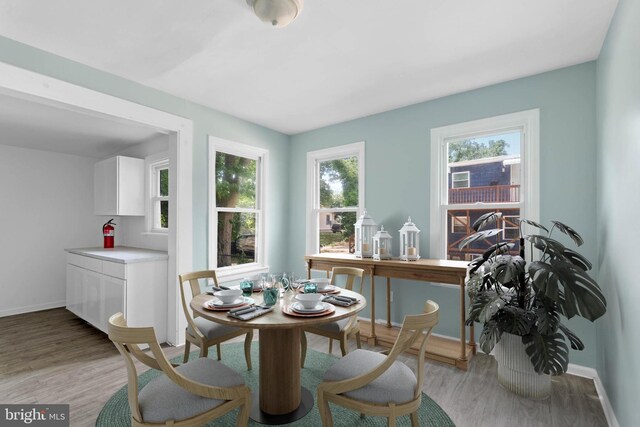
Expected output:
{"points": [[504, 224], [314, 158], [528, 123], [154, 164], [261, 156], [453, 223], [467, 179]]}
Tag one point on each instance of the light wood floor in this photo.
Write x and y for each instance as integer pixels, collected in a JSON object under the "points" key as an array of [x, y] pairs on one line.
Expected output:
{"points": [[54, 357]]}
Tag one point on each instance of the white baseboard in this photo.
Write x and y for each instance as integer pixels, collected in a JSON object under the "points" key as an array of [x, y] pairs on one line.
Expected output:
{"points": [[583, 371], [32, 308]]}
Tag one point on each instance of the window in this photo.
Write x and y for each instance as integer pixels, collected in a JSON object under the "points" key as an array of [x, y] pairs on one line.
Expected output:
{"points": [[459, 223], [460, 179], [158, 207], [482, 166], [236, 206], [335, 197]]}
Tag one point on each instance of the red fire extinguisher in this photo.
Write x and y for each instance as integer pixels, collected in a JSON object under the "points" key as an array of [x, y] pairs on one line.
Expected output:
{"points": [[108, 233]]}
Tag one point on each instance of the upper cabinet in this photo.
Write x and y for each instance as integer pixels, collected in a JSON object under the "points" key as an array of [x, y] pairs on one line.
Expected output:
{"points": [[119, 186]]}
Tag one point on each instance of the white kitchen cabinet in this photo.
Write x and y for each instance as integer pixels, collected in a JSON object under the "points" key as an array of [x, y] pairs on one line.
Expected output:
{"points": [[127, 280], [119, 186]]}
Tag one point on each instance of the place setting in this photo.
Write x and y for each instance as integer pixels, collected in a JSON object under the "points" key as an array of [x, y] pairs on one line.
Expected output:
{"points": [[228, 299], [309, 305], [320, 285]]}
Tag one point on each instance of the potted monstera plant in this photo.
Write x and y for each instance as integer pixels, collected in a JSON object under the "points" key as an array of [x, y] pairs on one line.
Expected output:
{"points": [[520, 301]]}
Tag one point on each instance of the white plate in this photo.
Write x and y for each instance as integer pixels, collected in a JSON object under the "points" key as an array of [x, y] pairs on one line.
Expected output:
{"points": [[299, 308], [239, 301]]}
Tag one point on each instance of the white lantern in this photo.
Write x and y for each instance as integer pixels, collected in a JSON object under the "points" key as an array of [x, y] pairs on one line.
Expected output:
{"points": [[382, 244], [365, 228], [409, 242]]}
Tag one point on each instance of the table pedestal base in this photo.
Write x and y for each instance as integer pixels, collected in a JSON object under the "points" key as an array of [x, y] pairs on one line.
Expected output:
{"points": [[306, 404]]}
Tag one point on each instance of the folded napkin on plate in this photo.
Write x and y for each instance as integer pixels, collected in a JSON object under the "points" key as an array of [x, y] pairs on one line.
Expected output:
{"points": [[248, 313], [341, 300]]}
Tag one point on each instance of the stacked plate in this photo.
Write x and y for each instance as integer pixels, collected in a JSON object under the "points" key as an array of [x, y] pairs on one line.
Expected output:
{"points": [[297, 309], [216, 304]]}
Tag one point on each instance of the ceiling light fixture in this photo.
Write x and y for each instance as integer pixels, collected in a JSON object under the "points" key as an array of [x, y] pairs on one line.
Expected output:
{"points": [[278, 13]]}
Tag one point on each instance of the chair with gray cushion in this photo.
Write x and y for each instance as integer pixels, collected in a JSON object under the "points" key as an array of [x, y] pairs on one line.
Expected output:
{"points": [[375, 384], [187, 395], [204, 333], [340, 330]]}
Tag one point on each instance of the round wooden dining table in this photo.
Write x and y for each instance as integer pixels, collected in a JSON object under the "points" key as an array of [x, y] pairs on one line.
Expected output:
{"points": [[281, 399]]}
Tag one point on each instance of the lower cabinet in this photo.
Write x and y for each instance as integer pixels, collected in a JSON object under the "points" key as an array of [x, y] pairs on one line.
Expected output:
{"points": [[98, 289]]}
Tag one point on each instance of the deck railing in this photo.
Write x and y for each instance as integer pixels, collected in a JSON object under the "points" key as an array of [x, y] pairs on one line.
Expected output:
{"points": [[489, 194]]}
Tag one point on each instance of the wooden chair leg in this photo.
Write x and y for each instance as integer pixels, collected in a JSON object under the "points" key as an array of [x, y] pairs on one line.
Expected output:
{"points": [[219, 351], [414, 419], [358, 343], [303, 348], [392, 415], [325, 411], [330, 345], [243, 415], [343, 345], [187, 348], [247, 348], [204, 350]]}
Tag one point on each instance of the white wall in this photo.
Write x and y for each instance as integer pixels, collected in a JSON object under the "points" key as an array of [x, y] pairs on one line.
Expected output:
{"points": [[46, 205], [132, 230]]}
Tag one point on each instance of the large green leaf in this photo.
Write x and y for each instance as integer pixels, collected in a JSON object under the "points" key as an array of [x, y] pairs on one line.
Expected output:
{"points": [[569, 232], [546, 244], [581, 294], [576, 343], [489, 337], [576, 259], [515, 320], [484, 234], [549, 354], [535, 224], [485, 219], [548, 317], [506, 268], [484, 305]]}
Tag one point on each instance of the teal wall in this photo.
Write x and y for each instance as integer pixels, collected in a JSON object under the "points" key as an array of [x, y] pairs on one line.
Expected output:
{"points": [[206, 122], [398, 141], [618, 106]]}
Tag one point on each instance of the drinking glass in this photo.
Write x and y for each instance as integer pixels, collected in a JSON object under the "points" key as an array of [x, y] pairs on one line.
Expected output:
{"points": [[246, 286], [310, 288], [270, 295]]}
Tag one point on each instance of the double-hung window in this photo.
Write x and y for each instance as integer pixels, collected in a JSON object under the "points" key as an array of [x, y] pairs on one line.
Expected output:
{"points": [[335, 197], [488, 165], [158, 207], [236, 207]]}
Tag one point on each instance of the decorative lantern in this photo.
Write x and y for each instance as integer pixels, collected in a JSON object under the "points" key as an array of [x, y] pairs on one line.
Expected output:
{"points": [[365, 228], [382, 244], [409, 242]]}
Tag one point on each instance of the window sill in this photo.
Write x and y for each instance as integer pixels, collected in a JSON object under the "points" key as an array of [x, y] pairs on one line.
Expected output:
{"points": [[155, 233], [231, 274]]}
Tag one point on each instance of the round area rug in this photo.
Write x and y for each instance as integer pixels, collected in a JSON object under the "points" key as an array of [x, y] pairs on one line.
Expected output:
{"points": [[116, 411]]}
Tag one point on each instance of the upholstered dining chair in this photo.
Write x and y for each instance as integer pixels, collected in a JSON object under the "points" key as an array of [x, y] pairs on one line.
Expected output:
{"points": [[204, 333], [187, 395], [340, 330], [374, 384]]}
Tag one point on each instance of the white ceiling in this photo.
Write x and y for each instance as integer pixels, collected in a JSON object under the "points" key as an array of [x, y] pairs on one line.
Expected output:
{"points": [[338, 61], [37, 126]]}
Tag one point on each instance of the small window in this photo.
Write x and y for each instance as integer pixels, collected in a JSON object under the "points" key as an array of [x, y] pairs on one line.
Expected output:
{"points": [[460, 179], [237, 200], [335, 196], [459, 223], [510, 227], [159, 195]]}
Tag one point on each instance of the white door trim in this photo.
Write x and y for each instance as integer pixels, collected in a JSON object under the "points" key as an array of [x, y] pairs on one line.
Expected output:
{"points": [[25, 84]]}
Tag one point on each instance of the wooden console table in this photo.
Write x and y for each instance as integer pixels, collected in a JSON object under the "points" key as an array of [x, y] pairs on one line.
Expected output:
{"points": [[450, 351]]}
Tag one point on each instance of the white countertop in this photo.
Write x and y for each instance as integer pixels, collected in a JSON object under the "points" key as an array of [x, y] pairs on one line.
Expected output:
{"points": [[122, 254]]}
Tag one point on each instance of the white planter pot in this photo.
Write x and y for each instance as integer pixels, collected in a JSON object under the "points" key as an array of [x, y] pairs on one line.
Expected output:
{"points": [[515, 371]]}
